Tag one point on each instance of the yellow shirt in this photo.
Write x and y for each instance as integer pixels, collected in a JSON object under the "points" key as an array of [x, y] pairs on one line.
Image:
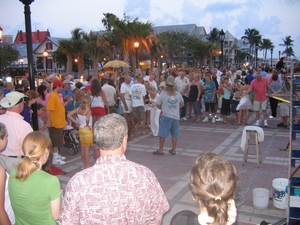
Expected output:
{"points": [[57, 111]]}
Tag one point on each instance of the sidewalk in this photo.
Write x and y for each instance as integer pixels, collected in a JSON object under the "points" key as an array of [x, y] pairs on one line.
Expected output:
{"points": [[224, 139]]}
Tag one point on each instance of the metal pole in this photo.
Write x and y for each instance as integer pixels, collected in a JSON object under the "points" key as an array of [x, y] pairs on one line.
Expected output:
{"points": [[46, 59], [30, 58], [136, 58], [222, 54]]}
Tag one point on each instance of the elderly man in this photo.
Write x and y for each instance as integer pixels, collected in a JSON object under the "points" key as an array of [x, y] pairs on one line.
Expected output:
{"points": [[16, 127], [123, 193], [7, 87], [183, 84], [260, 87], [67, 96]]}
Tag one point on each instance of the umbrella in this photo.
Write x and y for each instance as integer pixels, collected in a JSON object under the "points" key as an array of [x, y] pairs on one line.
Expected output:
{"points": [[116, 64]]}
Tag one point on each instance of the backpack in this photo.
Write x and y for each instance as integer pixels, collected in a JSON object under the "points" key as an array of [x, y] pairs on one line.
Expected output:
{"points": [[53, 170]]}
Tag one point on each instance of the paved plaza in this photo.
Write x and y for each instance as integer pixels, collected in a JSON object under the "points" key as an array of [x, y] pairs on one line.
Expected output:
{"points": [[224, 139]]}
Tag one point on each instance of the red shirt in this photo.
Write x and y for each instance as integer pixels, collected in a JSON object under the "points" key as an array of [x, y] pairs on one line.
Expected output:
{"points": [[260, 89]]}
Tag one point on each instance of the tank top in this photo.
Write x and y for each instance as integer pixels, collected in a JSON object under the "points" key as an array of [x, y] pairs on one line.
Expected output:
{"points": [[82, 119], [193, 93], [97, 101]]}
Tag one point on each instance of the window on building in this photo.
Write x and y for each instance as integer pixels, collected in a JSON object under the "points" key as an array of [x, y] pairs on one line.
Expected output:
{"points": [[49, 46]]}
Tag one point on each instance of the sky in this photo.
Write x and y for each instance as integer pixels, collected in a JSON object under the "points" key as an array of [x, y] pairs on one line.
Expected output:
{"points": [[274, 19]]}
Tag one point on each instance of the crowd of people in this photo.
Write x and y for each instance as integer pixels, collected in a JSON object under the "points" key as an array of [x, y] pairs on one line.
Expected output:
{"points": [[107, 113]]}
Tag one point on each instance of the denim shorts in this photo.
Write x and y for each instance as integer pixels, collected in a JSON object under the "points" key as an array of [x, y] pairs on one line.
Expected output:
{"points": [[167, 125]]}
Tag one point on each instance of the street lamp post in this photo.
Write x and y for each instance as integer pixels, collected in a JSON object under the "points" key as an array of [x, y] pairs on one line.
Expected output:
{"points": [[76, 61], [22, 61], [30, 57], [271, 50], [45, 54], [256, 49], [136, 45], [1, 31], [279, 53], [222, 38]]}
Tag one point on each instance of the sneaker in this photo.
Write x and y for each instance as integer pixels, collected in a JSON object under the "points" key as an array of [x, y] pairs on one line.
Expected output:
{"points": [[210, 116], [76, 141], [184, 118], [280, 125], [271, 117], [61, 157], [213, 120], [219, 119], [257, 123], [205, 120], [59, 162], [265, 123]]}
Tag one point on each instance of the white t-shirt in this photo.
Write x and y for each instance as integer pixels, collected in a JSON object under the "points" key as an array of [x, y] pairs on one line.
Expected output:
{"points": [[137, 92], [110, 92], [125, 90], [181, 84]]}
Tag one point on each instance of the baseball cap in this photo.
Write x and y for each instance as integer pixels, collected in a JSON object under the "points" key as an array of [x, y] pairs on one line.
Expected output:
{"points": [[67, 82], [12, 98], [57, 83], [52, 76]]}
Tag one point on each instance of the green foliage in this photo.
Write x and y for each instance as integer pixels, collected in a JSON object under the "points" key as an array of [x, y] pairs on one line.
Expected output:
{"points": [[8, 54]]}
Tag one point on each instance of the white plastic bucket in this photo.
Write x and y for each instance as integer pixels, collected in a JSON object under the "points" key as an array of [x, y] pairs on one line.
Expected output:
{"points": [[279, 194], [260, 198]]}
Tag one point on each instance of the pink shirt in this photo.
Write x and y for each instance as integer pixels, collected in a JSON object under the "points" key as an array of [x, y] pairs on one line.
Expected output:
{"points": [[260, 89], [113, 191], [17, 129]]}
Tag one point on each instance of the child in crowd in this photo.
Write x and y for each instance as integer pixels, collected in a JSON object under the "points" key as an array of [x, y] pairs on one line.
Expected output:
{"points": [[26, 113], [213, 185], [7, 216], [84, 121], [42, 126]]}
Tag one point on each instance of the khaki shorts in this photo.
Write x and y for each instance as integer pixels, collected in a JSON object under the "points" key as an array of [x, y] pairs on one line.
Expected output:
{"points": [[284, 109], [138, 112], [257, 106]]}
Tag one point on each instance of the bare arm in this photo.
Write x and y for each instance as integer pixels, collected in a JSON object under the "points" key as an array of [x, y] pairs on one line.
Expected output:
{"points": [[4, 220], [105, 100], [55, 208], [71, 117], [122, 96], [199, 91]]}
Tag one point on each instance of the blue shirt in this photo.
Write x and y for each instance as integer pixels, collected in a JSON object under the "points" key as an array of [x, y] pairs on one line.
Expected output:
{"points": [[209, 91], [68, 92], [250, 78]]}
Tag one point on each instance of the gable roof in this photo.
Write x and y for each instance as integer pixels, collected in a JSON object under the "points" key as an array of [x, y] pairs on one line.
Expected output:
{"points": [[188, 28], [37, 36]]}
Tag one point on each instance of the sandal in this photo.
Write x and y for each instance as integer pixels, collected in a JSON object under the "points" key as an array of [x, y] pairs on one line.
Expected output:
{"points": [[158, 153], [172, 153]]}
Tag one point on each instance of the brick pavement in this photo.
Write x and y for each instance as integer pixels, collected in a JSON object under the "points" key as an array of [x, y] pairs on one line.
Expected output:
{"points": [[224, 139]]}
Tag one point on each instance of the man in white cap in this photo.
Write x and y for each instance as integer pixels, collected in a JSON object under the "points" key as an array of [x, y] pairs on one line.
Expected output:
{"points": [[16, 127]]}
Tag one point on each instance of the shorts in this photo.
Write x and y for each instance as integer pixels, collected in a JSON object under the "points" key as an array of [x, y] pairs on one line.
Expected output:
{"points": [[284, 109], [138, 112], [257, 105], [234, 105], [85, 136], [168, 125], [56, 136], [128, 102], [98, 111]]}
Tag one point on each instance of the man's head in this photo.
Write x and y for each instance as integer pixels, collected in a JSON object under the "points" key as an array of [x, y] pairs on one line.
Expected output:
{"points": [[57, 86], [67, 84], [214, 72], [25, 82], [140, 79], [52, 78], [181, 73], [127, 78], [8, 86], [13, 101], [258, 76], [152, 76], [109, 133]]}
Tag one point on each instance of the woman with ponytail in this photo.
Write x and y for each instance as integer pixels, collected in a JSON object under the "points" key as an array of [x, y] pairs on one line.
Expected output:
{"points": [[213, 185], [34, 194]]}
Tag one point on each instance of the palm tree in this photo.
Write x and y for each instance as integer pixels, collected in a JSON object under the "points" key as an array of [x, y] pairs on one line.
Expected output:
{"points": [[289, 52], [125, 32], [287, 42], [213, 38], [78, 45], [66, 47], [253, 38], [265, 45]]}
